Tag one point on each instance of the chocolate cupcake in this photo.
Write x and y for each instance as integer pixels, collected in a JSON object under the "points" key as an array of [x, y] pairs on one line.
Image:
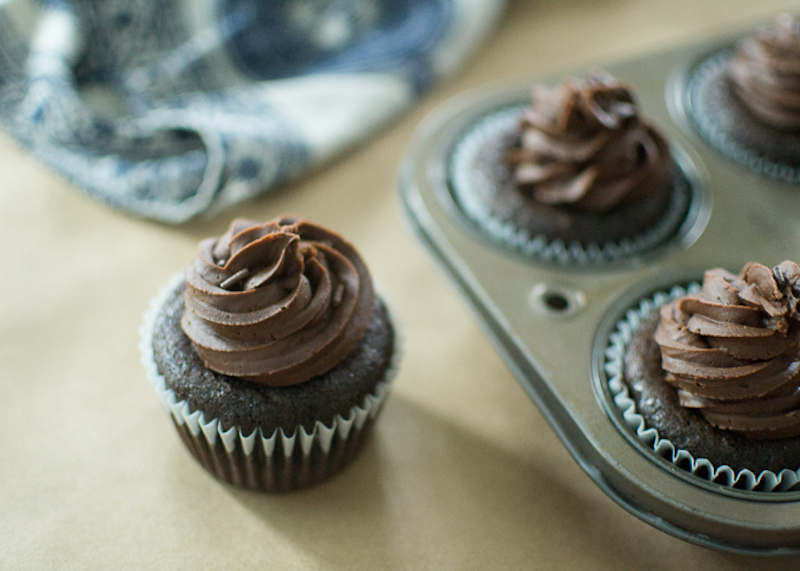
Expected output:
{"points": [[273, 353], [709, 376], [576, 177], [745, 101]]}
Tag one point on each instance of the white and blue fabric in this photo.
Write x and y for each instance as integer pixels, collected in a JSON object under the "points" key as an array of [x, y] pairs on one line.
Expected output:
{"points": [[168, 109]]}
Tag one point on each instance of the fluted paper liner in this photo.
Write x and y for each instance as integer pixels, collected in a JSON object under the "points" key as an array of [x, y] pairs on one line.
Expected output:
{"points": [[539, 246], [275, 462], [766, 481]]}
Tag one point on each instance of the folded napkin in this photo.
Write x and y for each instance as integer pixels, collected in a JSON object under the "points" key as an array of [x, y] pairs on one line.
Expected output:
{"points": [[170, 108]]}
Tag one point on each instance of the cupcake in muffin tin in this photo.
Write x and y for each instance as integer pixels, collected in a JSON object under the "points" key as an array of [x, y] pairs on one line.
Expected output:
{"points": [[273, 353], [576, 177], [707, 376], [745, 100]]}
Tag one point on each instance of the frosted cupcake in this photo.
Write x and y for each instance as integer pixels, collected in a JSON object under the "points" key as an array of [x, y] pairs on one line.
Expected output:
{"points": [[709, 378], [273, 354], [746, 101], [576, 177]]}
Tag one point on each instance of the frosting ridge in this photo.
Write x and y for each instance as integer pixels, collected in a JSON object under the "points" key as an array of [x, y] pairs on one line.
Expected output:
{"points": [[732, 351], [583, 144], [276, 303], [765, 74]]}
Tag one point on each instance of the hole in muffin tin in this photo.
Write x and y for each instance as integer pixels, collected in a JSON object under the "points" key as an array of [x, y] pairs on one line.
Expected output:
{"points": [[556, 301]]}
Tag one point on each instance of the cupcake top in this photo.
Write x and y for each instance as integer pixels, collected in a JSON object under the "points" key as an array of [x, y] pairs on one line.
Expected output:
{"points": [[276, 303], [765, 74], [582, 144], [732, 350]]}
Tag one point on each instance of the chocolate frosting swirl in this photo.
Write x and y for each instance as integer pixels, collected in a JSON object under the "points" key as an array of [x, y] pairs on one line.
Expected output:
{"points": [[732, 351], [765, 74], [583, 144], [276, 303]]}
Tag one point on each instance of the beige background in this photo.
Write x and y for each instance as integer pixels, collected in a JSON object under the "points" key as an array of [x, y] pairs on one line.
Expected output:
{"points": [[462, 473]]}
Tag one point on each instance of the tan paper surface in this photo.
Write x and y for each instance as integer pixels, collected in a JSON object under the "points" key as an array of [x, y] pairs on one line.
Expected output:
{"points": [[462, 472]]}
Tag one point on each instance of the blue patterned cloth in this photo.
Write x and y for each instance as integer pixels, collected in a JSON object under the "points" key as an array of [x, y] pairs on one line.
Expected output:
{"points": [[170, 108]]}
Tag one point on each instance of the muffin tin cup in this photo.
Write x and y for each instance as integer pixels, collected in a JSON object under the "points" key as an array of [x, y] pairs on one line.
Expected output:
{"points": [[280, 461], [551, 322], [618, 396]]}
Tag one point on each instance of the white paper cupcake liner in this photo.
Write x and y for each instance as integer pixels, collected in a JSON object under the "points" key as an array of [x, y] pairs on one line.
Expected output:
{"points": [[274, 462], [467, 185], [766, 481], [714, 127]]}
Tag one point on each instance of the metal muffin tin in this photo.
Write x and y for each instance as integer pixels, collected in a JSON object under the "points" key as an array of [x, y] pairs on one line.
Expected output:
{"points": [[551, 322]]}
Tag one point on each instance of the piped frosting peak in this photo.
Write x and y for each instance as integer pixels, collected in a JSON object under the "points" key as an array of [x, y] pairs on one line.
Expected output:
{"points": [[732, 350], [582, 144], [276, 303]]}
